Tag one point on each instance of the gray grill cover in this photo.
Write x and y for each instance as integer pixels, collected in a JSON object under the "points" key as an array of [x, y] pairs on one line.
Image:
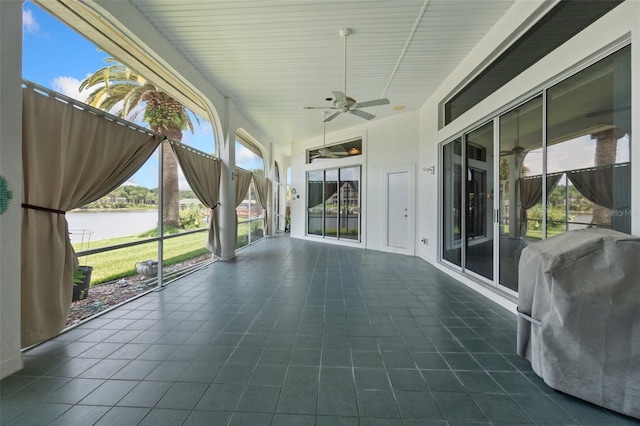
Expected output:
{"points": [[579, 323]]}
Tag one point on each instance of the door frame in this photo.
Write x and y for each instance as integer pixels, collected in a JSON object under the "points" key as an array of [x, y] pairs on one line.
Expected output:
{"points": [[411, 208]]}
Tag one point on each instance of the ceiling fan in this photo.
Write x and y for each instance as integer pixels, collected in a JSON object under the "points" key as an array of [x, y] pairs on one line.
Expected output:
{"points": [[336, 151], [331, 152], [517, 150], [343, 103]]}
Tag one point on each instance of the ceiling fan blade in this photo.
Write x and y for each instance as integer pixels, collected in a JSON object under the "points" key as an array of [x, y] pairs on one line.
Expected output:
{"points": [[362, 114], [376, 102], [341, 98], [338, 151], [324, 107], [332, 116], [325, 153]]}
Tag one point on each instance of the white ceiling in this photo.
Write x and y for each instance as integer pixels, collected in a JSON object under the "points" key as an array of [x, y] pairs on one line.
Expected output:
{"points": [[273, 57]]}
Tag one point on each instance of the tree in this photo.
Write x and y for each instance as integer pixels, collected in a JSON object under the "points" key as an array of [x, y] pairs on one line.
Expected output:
{"points": [[119, 90]]}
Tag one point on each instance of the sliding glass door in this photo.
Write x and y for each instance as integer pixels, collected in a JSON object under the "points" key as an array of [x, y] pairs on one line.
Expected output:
{"points": [[520, 183], [452, 202], [588, 148], [555, 163], [479, 201], [333, 203]]}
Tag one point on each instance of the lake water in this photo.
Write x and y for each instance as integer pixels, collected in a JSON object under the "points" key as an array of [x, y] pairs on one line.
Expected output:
{"points": [[109, 224]]}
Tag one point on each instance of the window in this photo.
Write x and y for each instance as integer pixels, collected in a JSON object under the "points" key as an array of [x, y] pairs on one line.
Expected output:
{"points": [[249, 212], [276, 196], [248, 155], [564, 21], [333, 203], [588, 147], [332, 152]]}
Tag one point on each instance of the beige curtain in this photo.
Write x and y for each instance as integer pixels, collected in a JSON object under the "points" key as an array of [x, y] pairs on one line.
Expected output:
{"points": [[203, 174], [263, 186], [531, 194], [243, 180], [595, 184], [70, 158]]}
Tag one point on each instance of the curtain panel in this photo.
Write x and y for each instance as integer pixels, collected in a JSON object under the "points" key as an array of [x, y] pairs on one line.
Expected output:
{"points": [[203, 175], [319, 192], [243, 181], [263, 186], [531, 194], [70, 157], [603, 185], [610, 187]]}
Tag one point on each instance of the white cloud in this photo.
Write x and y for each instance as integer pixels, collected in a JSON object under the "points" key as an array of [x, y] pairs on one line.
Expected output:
{"points": [[68, 86], [182, 181], [246, 159], [29, 23], [243, 154], [573, 154]]}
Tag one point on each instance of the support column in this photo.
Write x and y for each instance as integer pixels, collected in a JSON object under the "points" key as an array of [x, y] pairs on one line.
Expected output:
{"points": [[514, 198], [227, 152], [11, 170], [606, 148], [269, 172]]}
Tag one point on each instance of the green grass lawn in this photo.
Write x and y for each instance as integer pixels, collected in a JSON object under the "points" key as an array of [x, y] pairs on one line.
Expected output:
{"points": [[122, 262]]}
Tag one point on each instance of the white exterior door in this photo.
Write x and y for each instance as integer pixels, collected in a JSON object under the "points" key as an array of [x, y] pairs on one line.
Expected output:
{"points": [[400, 211]]}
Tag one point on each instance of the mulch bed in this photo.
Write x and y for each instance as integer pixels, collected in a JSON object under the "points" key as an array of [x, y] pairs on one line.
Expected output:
{"points": [[104, 296]]}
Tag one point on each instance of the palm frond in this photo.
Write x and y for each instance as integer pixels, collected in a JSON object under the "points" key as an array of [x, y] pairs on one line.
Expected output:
{"points": [[117, 86]]}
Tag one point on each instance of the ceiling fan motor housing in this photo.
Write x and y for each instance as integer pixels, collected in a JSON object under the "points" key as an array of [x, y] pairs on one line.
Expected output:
{"points": [[344, 106]]}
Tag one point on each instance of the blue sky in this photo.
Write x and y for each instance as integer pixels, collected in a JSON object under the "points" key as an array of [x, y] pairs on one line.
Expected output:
{"points": [[57, 57]]}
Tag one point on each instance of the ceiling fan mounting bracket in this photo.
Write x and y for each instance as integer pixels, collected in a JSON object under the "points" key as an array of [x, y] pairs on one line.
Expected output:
{"points": [[345, 32]]}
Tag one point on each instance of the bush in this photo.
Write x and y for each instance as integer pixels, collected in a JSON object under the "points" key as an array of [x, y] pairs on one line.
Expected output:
{"points": [[192, 217], [556, 218]]}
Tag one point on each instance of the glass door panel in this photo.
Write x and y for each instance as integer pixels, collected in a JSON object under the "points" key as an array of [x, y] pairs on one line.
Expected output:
{"points": [[588, 148], [315, 202], [520, 201], [350, 203], [452, 202], [479, 201], [331, 205]]}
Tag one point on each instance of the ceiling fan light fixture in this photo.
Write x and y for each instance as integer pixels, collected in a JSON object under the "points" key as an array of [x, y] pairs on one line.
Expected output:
{"points": [[354, 151]]}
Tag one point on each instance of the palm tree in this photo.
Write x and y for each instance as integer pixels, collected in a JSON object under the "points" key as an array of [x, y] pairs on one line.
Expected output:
{"points": [[119, 90]]}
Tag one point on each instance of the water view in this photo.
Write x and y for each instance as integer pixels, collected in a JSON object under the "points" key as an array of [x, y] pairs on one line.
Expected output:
{"points": [[85, 226]]}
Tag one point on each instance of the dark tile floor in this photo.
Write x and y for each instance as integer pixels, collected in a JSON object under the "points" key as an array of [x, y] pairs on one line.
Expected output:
{"points": [[294, 333]]}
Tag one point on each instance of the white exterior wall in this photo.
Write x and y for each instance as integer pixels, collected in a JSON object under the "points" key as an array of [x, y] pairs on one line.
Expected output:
{"points": [[10, 169], [622, 23], [386, 143]]}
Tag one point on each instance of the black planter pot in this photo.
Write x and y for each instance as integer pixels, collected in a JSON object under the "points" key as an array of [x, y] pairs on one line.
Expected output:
{"points": [[81, 286]]}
